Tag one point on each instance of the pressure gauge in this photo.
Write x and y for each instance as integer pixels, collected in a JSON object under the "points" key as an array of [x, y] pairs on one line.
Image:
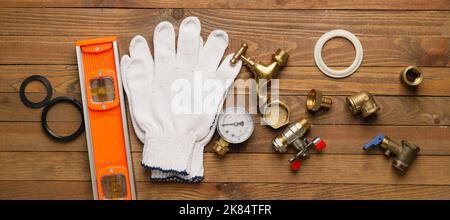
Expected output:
{"points": [[235, 125]]}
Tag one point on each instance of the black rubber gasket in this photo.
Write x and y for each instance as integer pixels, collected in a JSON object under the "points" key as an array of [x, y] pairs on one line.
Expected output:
{"points": [[52, 134], [24, 98]]}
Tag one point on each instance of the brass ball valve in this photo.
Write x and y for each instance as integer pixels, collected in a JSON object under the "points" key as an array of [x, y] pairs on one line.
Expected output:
{"points": [[403, 154], [362, 103], [292, 135], [295, 162]]}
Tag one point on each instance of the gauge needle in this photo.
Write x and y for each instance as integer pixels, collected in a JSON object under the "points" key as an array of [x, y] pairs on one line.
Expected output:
{"points": [[241, 123]]}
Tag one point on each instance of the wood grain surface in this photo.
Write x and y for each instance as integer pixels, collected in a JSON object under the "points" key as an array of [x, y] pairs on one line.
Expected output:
{"points": [[250, 4], [38, 37]]}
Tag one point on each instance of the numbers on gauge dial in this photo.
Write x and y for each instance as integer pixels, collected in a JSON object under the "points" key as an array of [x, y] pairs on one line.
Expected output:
{"points": [[235, 125]]}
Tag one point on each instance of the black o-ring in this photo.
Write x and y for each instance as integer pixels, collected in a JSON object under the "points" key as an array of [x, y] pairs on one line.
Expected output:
{"points": [[25, 83], [50, 133]]}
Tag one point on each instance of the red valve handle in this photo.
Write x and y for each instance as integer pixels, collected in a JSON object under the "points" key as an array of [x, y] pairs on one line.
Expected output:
{"points": [[296, 165], [319, 144]]}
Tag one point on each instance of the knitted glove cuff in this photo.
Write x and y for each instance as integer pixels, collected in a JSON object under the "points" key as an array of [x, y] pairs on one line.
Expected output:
{"points": [[159, 176], [169, 152]]}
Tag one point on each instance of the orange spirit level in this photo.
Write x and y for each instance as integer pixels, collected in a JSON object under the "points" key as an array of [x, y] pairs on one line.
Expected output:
{"points": [[105, 119]]}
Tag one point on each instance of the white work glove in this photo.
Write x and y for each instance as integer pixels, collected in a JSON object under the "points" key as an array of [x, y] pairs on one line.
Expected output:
{"points": [[173, 141]]}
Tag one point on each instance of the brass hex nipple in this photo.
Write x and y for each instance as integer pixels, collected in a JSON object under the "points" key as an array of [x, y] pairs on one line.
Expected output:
{"points": [[362, 103], [221, 147], [293, 132], [315, 100], [411, 76]]}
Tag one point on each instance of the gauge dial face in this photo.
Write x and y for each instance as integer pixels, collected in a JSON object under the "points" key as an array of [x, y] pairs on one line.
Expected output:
{"points": [[235, 125]]}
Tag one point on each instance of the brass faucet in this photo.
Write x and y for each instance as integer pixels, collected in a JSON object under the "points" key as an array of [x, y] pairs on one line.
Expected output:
{"points": [[266, 72], [260, 71]]}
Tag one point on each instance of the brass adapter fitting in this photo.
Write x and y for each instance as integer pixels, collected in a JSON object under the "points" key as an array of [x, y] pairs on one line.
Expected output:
{"points": [[362, 103], [221, 147], [403, 154], [315, 100], [291, 135], [276, 114], [411, 76]]}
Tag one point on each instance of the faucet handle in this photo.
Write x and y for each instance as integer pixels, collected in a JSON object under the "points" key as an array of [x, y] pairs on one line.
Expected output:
{"points": [[239, 53], [374, 142]]}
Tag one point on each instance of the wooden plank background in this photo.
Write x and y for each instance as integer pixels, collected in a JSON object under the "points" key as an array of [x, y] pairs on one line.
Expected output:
{"points": [[37, 37]]}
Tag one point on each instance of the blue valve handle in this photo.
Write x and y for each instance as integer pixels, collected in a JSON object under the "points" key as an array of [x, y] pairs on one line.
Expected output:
{"points": [[374, 142]]}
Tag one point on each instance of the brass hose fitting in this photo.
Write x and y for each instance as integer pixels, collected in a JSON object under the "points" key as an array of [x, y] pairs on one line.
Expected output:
{"points": [[292, 135], [315, 100], [362, 103], [411, 76], [403, 154]]}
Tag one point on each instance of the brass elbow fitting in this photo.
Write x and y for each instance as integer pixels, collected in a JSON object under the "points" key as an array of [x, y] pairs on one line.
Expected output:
{"points": [[315, 100], [362, 103], [291, 135], [411, 76], [403, 154]]}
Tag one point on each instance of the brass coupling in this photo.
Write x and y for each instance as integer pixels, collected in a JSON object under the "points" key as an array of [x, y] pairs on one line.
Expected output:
{"points": [[362, 103], [403, 154], [411, 76], [292, 134], [315, 100]]}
